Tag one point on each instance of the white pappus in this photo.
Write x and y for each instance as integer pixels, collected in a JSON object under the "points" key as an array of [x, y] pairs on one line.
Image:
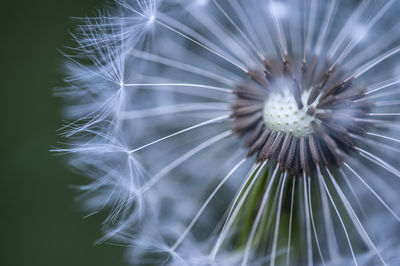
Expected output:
{"points": [[240, 132]]}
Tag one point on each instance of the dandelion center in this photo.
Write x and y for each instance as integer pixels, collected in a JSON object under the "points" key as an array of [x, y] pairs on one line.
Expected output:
{"points": [[302, 116], [281, 113]]}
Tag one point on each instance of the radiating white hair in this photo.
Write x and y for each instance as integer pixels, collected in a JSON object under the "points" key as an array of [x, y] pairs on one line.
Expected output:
{"points": [[152, 89]]}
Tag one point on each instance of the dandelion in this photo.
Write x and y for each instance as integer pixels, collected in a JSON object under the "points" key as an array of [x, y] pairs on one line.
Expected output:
{"points": [[240, 132]]}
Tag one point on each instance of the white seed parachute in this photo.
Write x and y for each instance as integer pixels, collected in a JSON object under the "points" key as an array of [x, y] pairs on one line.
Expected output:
{"points": [[240, 132]]}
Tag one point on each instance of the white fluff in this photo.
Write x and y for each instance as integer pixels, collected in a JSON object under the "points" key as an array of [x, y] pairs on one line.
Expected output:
{"points": [[148, 94]]}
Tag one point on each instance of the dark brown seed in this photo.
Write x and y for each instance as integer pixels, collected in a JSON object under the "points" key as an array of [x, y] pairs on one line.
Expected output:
{"points": [[314, 149], [259, 143], [328, 141], [274, 146], [259, 77], [289, 158], [268, 65], [286, 66], [247, 110], [246, 122], [325, 78], [250, 92], [252, 138], [243, 103], [325, 116], [303, 156], [337, 128], [262, 156], [313, 68], [297, 94], [284, 148], [327, 102], [295, 159], [350, 94], [268, 74], [321, 152], [315, 91], [337, 88], [311, 111]]}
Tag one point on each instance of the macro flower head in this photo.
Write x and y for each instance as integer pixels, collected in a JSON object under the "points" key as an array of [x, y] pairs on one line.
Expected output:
{"points": [[240, 132]]}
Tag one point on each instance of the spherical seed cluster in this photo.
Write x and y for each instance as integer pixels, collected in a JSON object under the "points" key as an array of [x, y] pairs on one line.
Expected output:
{"points": [[281, 113], [152, 85], [300, 116]]}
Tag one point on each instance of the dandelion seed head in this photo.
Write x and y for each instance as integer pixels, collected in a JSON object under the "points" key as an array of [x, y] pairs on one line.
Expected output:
{"points": [[240, 132], [300, 115]]}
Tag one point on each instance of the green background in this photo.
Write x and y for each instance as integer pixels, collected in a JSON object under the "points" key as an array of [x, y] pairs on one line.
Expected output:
{"points": [[40, 223]]}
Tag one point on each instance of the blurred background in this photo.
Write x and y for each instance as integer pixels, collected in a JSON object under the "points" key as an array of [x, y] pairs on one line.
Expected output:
{"points": [[40, 222]]}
